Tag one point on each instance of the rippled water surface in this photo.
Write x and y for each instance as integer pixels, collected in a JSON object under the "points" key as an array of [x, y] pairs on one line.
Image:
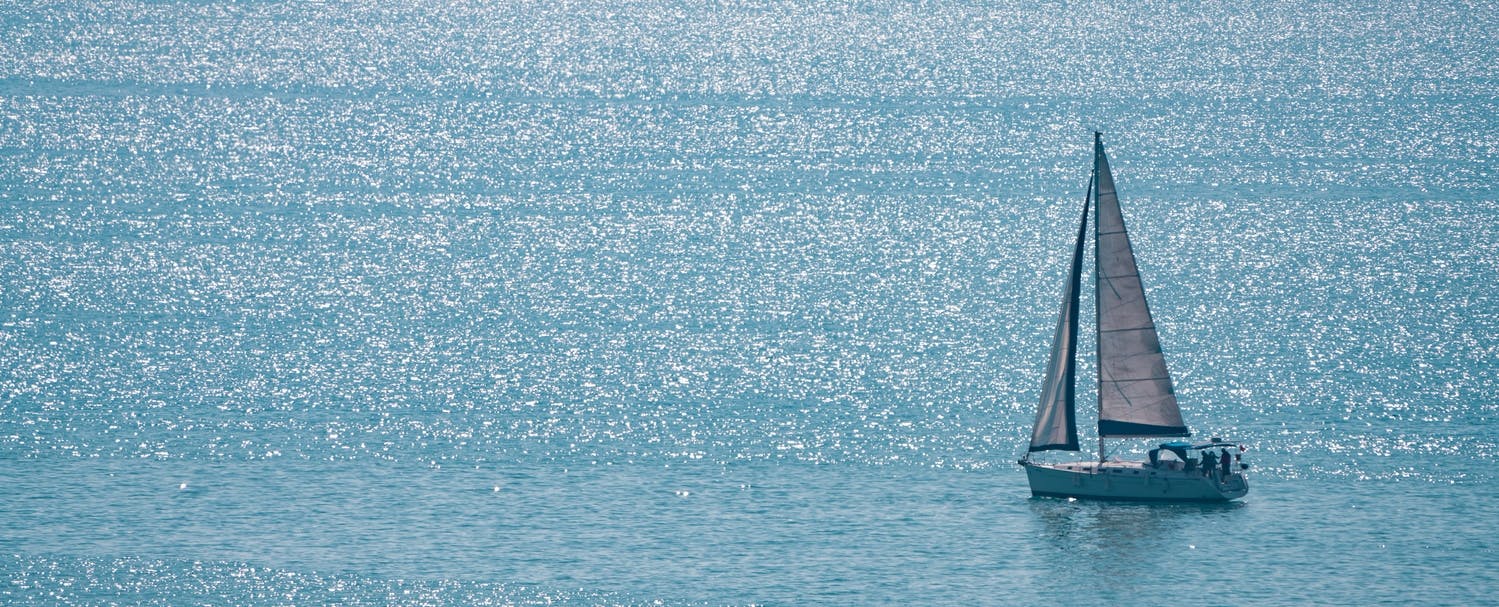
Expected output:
{"points": [[390, 302]]}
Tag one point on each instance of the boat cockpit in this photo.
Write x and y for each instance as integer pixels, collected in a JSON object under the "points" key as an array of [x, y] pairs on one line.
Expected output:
{"points": [[1182, 455]]}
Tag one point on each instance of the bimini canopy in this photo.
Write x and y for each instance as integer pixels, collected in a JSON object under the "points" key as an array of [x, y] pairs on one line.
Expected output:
{"points": [[1178, 447], [1217, 443]]}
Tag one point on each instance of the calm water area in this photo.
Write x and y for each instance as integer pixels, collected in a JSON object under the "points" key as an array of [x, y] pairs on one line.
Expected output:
{"points": [[395, 302]]}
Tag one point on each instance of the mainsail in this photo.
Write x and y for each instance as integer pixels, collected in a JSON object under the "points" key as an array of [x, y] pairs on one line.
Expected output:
{"points": [[1135, 397], [1056, 419]]}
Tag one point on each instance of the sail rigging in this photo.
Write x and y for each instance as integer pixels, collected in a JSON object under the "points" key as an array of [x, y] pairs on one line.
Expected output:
{"points": [[1135, 394]]}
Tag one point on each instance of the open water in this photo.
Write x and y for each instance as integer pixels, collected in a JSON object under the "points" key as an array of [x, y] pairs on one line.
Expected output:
{"points": [[716, 302]]}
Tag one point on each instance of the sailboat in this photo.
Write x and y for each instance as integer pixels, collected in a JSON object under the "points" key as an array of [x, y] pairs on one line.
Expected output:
{"points": [[1135, 396]]}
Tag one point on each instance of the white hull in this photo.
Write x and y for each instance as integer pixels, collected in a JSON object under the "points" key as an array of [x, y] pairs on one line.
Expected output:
{"points": [[1132, 481]]}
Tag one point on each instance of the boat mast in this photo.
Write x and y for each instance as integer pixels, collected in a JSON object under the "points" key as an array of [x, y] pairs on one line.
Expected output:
{"points": [[1097, 310]]}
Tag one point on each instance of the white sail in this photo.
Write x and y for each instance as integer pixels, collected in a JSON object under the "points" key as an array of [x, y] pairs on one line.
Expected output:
{"points": [[1056, 419], [1135, 397]]}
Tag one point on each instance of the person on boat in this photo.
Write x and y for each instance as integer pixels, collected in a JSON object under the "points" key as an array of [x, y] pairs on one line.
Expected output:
{"points": [[1225, 461], [1207, 463]]}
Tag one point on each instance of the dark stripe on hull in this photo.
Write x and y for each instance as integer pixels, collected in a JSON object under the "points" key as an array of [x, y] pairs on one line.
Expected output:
{"points": [[1156, 500]]}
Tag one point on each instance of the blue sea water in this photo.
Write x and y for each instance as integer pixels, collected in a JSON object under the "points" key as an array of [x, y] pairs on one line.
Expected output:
{"points": [[379, 302]]}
